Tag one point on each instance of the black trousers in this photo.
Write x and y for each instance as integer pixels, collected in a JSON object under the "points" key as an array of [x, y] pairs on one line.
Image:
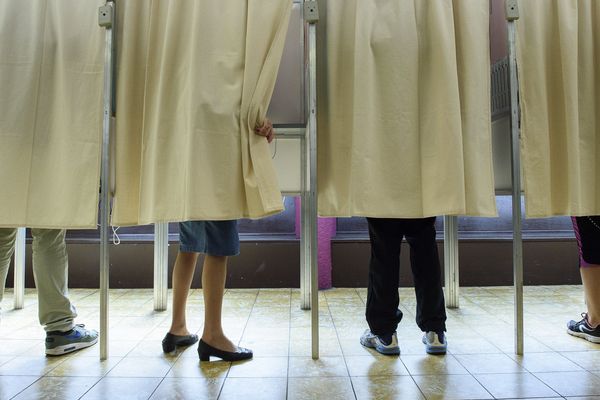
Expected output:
{"points": [[386, 236]]}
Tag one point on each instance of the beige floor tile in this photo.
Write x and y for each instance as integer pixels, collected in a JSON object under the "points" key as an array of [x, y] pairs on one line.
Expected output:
{"points": [[354, 303], [152, 348], [327, 347], [589, 360], [545, 362], [451, 387], [425, 364], [141, 367], [110, 388], [190, 367], [254, 389], [188, 388], [273, 301], [572, 383], [40, 365], [49, 388], [260, 367], [375, 366], [306, 367], [489, 363], [563, 342], [387, 387], [320, 388], [515, 386], [10, 386], [262, 347], [304, 333], [5, 359], [470, 345], [115, 349], [354, 348], [31, 331], [188, 352], [84, 367], [13, 347], [530, 344], [266, 332]]}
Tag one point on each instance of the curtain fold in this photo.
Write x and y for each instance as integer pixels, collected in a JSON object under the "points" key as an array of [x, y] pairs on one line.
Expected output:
{"points": [[51, 74], [195, 78], [404, 118], [558, 52]]}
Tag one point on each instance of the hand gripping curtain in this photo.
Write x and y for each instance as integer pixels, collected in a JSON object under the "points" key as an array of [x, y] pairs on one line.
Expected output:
{"points": [[559, 70], [404, 123], [51, 71], [195, 78]]}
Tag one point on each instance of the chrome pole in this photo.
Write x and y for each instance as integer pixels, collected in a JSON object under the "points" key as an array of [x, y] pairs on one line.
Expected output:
{"points": [[161, 266], [512, 15], [311, 16], [451, 264], [106, 19], [20, 246]]}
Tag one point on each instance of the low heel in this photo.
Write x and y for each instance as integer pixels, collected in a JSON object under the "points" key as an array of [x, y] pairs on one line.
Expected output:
{"points": [[204, 356], [168, 347]]}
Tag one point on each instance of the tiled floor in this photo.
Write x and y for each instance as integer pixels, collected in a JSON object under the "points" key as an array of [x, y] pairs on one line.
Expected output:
{"points": [[480, 365]]}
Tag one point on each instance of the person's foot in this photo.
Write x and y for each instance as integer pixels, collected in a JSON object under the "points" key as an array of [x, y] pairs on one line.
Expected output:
{"points": [[582, 329], [384, 344], [435, 342], [220, 346], [59, 343], [171, 341]]}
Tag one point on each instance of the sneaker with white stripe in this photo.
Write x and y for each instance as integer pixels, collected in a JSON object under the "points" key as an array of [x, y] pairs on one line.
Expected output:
{"points": [[582, 329]]}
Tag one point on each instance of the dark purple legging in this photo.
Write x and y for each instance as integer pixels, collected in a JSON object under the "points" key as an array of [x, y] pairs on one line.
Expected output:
{"points": [[587, 232]]}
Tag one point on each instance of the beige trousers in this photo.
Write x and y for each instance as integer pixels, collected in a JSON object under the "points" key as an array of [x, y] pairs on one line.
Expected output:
{"points": [[50, 270]]}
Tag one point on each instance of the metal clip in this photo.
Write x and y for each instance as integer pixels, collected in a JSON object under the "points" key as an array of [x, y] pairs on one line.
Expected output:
{"points": [[106, 15], [512, 10], [311, 11]]}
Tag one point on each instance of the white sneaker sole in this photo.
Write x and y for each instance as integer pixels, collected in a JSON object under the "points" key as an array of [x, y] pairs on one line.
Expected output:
{"points": [[69, 348], [589, 338]]}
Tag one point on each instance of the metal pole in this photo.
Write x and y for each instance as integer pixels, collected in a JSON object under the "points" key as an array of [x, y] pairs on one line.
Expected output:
{"points": [[311, 16], [512, 15], [106, 19], [451, 265], [304, 231], [20, 269], [161, 268]]}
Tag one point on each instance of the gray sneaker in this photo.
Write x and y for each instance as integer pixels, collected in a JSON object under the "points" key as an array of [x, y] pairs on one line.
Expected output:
{"points": [[435, 342], [59, 343], [368, 339]]}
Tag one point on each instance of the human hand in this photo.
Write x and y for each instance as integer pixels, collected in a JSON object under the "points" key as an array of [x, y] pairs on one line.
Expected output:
{"points": [[266, 130]]}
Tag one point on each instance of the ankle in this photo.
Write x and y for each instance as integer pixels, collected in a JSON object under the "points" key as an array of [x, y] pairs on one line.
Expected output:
{"points": [[592, 322], [179, 330]]}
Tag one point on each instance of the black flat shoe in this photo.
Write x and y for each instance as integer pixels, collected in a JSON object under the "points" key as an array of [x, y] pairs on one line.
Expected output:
{"points": [[205, 351], [170, 342]]}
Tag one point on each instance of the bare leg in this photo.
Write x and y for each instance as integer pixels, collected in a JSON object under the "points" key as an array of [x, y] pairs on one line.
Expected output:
{"points": [[183, 272], [591, 286], [213, 287]]}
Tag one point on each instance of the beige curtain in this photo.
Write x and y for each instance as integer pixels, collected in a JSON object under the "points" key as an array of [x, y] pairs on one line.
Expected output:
{"points": [[51, 72], [404, 118], [195, 78], [559, 68]]}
